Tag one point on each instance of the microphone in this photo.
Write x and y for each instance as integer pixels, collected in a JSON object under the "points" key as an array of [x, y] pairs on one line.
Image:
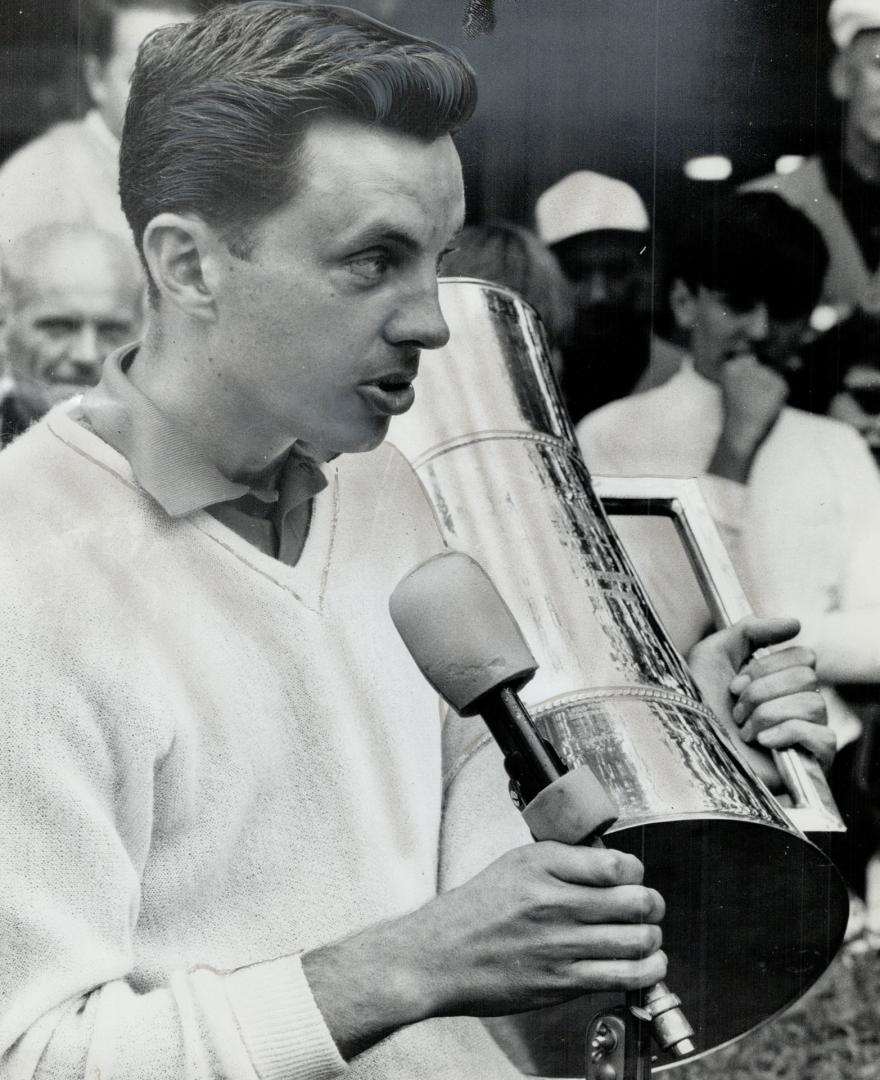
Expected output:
{"points": [[468, 645]]}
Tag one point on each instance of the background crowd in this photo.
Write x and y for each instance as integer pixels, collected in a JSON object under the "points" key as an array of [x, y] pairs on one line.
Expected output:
{"points": [[736, 339]]}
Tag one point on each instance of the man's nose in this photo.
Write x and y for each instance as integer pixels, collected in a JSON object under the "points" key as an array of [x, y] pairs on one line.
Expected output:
{"points": [[757, 323], [85, 347], [595, 288], [419, 319], [82, 360]]}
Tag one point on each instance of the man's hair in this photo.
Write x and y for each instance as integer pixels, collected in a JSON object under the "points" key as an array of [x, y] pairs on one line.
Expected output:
{"points": [[755, 247], [78, 245], [96, 20], [510, 255], [218, 107]]}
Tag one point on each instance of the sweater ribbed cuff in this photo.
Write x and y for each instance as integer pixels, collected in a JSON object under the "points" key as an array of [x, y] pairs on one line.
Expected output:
{"points": [[281, 1024]]}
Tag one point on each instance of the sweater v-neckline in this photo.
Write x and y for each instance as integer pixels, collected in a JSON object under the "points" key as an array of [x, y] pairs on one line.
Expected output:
{"points": [[306, 581]]}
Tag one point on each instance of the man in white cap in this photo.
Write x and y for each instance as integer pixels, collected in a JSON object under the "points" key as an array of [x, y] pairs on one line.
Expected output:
{"points": [[599, 230], [840, 190]]}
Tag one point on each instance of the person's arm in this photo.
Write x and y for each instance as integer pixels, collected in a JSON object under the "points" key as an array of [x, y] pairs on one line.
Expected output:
{"points": [[546, 922], [542, 924], [77, 770], [846, 640]]}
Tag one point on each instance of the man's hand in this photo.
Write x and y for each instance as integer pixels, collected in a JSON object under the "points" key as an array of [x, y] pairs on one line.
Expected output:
{"points": [[544, 923], [772, 700], [753, 395]]}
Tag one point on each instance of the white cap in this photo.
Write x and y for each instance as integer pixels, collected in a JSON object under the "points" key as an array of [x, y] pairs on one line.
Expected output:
{"points": [[587, 202], [846, 18]]}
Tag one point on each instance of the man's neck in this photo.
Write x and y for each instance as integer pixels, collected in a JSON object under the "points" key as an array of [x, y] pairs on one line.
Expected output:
{"points": [[172, 384], [862, 155]]}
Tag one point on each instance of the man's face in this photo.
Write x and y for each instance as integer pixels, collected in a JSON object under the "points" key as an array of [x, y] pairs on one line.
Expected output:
{"points": [[610, 272], [860, 85], [62, 326], [321, 327], [109, 80], [723, 327]]}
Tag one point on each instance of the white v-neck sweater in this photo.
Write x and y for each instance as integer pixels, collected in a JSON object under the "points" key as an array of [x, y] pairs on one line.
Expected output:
{"points": [[209, 761]]}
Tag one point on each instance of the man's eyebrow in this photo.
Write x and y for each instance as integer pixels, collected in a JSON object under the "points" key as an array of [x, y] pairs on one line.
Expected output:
{"points": [[382, 232], [385, 232]]}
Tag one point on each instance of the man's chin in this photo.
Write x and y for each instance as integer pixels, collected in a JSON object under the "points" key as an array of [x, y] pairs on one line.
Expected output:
{"points": [[356, 443]]}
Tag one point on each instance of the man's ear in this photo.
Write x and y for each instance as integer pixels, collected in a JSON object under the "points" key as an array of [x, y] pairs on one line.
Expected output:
{"points": [[177, 249], [839, 77], [683, 303]]}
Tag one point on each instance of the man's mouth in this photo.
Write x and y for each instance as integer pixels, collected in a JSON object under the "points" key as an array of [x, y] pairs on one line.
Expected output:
{"points": [[390, 395]]}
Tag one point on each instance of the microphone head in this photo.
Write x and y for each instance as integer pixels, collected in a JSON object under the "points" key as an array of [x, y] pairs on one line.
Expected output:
{"points": [[459, 631]]}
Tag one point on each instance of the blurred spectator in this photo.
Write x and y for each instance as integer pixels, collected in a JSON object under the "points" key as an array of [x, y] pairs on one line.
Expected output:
{"points": [[840, 190], [513, 256], [858, 404], [598, 228], [71, 172], [844, 368], [71, 294], [796, 496]]}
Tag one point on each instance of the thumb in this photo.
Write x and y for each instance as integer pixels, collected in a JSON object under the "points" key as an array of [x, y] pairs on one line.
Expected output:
{"points": [[757, 633]]}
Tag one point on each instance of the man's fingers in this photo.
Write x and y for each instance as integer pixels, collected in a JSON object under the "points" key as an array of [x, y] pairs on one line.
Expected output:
{"points": [[761, 632], [634, 942], [808, 705], [619, 905], [816, 740], [782, 683], [598, 866], [768, 663], [620, 974], [740, 641]]}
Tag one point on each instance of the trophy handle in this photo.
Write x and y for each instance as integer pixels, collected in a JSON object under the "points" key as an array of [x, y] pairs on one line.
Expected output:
{"points": [[813, 809]]}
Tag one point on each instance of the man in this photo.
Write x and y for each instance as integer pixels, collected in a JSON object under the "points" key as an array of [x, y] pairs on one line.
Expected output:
{"points": [[224, 805], [71, 172], [598, 228], [72, 295], [840, 190], [796, 496]]}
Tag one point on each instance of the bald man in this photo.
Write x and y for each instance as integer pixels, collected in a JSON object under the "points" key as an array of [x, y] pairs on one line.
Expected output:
{"points": [[71, 295]]}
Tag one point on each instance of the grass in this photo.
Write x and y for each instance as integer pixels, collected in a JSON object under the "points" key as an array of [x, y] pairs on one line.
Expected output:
{"points": [[832, 1033]]}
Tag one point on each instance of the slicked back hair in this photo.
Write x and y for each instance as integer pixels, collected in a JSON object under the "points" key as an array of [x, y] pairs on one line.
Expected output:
{"points": [[218, 107], [97, 20]]}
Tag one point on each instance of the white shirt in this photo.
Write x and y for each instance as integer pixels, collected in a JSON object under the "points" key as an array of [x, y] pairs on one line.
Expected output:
{"points": [[804, 533], [68, 175]]}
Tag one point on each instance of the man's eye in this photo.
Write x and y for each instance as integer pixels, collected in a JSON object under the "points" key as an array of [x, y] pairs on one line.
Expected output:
{"points": [[369, 267], [57, 328]]}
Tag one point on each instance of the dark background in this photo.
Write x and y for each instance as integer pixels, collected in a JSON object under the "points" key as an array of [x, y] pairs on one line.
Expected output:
{"points": [[628, 87]]}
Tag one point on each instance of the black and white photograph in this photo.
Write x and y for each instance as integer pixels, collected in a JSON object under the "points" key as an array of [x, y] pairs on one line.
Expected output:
{"points": [[440, 549]]}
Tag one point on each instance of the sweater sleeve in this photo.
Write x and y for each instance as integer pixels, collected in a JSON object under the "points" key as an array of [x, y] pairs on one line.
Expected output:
{"points": [[846, 640], [77, 816], [480, 822]]}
